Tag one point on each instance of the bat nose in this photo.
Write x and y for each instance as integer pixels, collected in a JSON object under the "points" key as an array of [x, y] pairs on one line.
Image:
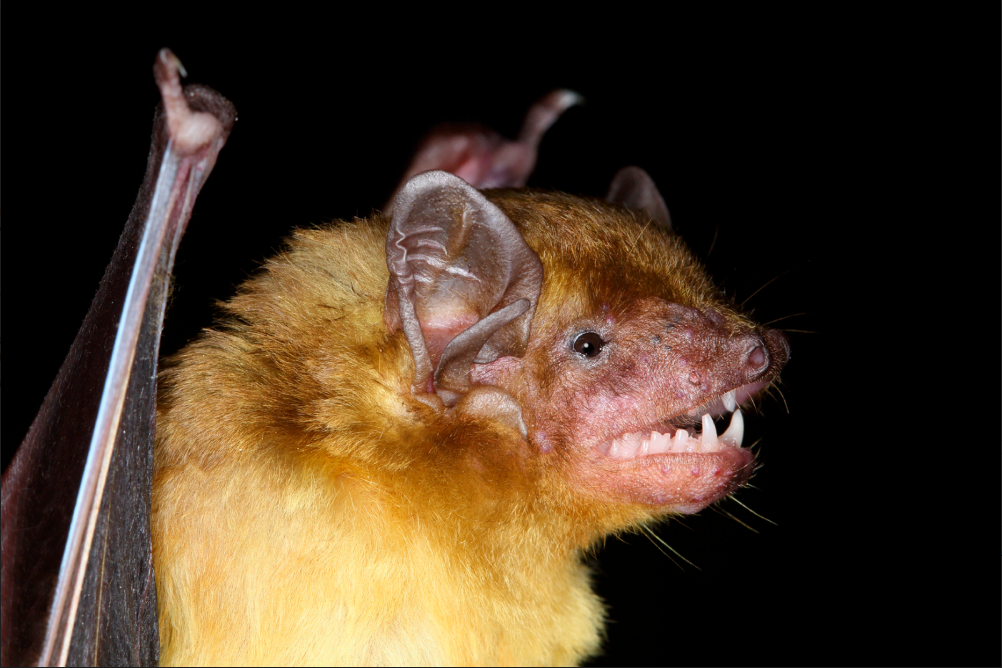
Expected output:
{"points": [[764, 354], [756, 360]]}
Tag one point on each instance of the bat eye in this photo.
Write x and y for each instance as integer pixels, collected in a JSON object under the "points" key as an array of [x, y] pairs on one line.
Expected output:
{"points": [[588, 344]]}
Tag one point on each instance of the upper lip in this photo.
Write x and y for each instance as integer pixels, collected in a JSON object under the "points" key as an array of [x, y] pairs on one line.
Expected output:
{"points": [[720, 404]]}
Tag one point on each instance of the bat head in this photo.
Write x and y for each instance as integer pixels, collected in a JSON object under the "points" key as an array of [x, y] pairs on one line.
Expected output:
{"points": [[586, 334]]}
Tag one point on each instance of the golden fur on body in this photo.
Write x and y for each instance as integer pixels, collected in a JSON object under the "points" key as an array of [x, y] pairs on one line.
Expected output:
{"points": [[307, 509]]}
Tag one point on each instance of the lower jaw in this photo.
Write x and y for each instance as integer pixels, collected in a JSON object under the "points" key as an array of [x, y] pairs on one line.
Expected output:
{"points": [[673, 482]]}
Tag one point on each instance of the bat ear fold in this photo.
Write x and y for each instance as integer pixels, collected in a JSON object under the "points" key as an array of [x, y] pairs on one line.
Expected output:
{"points": [[463, 282], [634, 188]]}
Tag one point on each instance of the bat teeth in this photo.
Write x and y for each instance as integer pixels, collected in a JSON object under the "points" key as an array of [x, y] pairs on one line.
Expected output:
{"points": [[725, 403], [680, 442], [735, 430], [626, 446], [660, 443], [639, 444], [708, 441]]}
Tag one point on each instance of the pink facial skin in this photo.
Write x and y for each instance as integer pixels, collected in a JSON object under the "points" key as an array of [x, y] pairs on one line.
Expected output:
{"points": [[660, 368]]}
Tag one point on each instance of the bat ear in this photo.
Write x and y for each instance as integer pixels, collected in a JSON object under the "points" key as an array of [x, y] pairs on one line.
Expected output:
{"points": [[483, 158], [634, 188], [463, 282]]}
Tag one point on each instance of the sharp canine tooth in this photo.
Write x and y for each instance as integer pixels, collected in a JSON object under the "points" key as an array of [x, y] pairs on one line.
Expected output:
{"points": [[730, 400], [736, 430], [709, 440]]}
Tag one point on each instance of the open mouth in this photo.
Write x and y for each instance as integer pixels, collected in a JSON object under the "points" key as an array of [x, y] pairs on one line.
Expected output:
{"points": [[666, 438]]}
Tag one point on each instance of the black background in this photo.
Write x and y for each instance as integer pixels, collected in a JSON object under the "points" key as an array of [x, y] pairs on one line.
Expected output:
{"points": [[752, 132]]}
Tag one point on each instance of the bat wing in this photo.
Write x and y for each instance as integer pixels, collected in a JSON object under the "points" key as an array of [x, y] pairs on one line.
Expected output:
{"points": [[77, 568]]}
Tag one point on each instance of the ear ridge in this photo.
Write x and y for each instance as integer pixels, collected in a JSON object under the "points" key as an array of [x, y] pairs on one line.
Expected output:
{"points": [[452, 377], [635, 189], [463, 282]]}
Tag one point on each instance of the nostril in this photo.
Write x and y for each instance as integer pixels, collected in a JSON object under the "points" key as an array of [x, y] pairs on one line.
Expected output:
{"points": [[757, 360]]}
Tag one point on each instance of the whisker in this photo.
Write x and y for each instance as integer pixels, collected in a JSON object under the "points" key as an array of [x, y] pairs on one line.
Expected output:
{"points": [[727, 514], [792, 315], [800, 331], [766, 285], [644, 532], [780, 392], [641, 234], [678, 520], [651, 534], [714, 242], [753, 512]]}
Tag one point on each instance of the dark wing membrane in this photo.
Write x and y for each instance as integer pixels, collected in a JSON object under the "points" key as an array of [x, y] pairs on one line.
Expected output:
{"points": [[77, 570]]}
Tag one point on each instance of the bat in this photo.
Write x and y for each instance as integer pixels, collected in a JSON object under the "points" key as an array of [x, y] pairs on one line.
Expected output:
{"points": [[404, 432], [93, 601], [444, 391]]}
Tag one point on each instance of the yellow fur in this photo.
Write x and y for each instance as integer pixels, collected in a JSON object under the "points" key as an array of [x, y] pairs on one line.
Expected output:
{"points": [[307, 510]]}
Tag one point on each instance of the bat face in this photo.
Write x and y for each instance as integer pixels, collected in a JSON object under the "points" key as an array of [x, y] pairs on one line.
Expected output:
{"points": [[632, 346]]}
